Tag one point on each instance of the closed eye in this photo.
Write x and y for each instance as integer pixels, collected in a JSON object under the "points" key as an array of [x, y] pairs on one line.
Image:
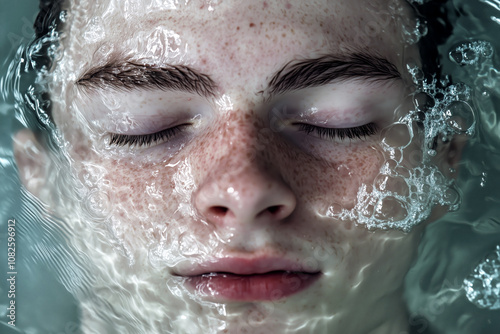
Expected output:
{"points": [[145, 140], [359, 132]]}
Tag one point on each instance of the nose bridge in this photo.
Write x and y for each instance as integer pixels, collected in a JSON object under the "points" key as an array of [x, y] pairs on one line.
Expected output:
{"points": [[243, 186], [245, 154], [244, 144], [242, 169]]}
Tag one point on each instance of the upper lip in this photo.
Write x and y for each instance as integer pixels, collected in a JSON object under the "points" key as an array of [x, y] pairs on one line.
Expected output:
{"points": [[244, 266]]}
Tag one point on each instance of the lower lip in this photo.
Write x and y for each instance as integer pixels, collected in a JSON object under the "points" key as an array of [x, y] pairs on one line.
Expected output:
{"points": [[259, 287]]}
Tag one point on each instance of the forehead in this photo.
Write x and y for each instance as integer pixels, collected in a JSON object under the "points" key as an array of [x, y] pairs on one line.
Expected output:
{"points": [[228, 32]]}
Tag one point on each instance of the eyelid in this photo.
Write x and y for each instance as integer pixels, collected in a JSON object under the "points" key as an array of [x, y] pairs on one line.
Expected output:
{"points": [[359, 132], [146, 140]]}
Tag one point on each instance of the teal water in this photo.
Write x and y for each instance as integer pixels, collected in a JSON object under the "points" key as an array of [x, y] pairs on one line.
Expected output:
{"points": [[451, 249], [43, 304]]}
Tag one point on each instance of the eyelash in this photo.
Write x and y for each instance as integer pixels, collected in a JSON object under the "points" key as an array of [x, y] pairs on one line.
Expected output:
{"points": [[360, 132], [145, 140]]}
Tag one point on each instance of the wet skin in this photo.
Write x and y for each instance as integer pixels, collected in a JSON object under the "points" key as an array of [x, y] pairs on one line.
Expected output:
{"points": [[240, 179]]}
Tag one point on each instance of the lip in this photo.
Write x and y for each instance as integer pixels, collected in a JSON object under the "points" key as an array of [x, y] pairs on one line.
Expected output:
{"points": [[240, 279]]}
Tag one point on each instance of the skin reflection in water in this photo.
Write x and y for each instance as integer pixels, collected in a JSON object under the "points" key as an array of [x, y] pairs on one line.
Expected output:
{"points": [[209, 144]]}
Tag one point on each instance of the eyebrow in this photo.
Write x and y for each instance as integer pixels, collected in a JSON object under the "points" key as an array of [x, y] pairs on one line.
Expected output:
{"points": [[127, 76], [321, 71], [295, 75]]}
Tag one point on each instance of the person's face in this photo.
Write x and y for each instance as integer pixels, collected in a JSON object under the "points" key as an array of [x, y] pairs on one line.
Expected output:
{"points": [[232, 137]]}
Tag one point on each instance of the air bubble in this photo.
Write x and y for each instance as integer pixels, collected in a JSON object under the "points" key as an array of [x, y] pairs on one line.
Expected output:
{"points": [[423, 101], [397, 135], [487, 50], [403, 172], [381, 182], [335, 211], [388, 167], [460, 117], [456, 56], [98, 204], [368, 211], [469, 55], [390, 209], [482, 287], [393, 184]]}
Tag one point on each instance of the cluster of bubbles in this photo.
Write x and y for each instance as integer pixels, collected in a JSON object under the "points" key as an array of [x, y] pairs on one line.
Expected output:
{"points": [[401, 197], [412, 33], [482, 287], [412, 28], [470, 53], [443, 112]]}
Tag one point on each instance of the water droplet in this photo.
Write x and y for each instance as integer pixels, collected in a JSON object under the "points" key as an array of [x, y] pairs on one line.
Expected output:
{"points": [[484, 177], [63, 16]]}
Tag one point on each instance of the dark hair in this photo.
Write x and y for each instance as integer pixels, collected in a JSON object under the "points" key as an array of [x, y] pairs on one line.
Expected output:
{"points": [[439, 28], [47, 20]]}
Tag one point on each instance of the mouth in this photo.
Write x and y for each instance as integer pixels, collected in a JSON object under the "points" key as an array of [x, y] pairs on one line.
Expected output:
{"points": [[264, 279]]}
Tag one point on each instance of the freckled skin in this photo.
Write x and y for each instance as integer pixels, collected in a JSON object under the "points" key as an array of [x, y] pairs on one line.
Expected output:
{"points": [[167, 196]]}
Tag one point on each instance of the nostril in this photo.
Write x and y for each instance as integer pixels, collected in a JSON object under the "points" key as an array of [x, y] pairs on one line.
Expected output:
{"points": [[219, 210], [274, 209]]}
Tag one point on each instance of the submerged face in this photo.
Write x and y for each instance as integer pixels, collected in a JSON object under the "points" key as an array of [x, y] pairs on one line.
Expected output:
{"points": [[228, 158]]}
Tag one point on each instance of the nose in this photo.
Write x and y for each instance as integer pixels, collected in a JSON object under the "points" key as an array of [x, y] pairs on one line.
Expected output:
{"points": [[244, 197]]}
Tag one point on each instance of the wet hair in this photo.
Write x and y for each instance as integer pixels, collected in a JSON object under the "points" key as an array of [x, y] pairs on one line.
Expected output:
{"points": [[439, 28], [48, 19]]}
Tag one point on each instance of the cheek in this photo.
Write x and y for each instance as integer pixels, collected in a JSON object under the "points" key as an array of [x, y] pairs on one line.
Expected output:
{"points": [[143, 195], [338, 180], [134, 199]]}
